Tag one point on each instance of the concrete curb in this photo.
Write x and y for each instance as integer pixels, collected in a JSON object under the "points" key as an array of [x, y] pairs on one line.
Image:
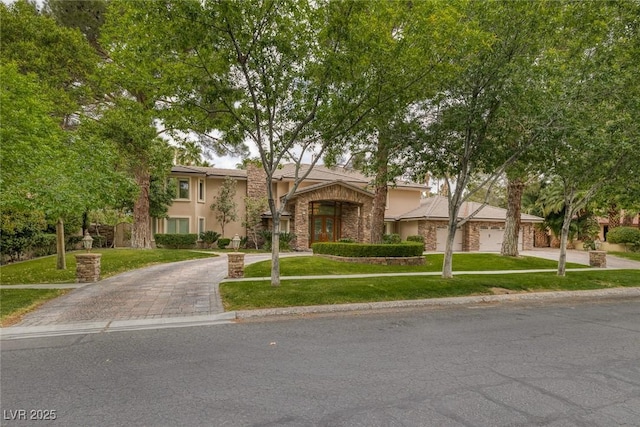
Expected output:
{"points": [[21, 332], [441, 302]]}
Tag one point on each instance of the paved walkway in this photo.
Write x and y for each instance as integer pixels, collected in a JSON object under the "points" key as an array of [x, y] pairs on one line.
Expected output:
{"points": [[178, 294]]}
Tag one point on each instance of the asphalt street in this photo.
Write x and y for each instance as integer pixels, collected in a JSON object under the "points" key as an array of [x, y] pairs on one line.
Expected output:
{"points": [[523, 364]]}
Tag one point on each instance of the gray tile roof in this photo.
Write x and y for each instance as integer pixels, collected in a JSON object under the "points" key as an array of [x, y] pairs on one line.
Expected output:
{"points": [[323, 173], [437, 207], [319, 173], [209, 171]]}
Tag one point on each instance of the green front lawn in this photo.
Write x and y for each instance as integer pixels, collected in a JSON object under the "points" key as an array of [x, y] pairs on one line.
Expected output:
{"points": [[315, 265], [114, 261], [260, 294], [635, 256]]}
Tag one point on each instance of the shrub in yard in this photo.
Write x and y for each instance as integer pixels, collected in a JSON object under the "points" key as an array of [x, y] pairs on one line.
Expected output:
{"points": [[391, 239], [175, 241], [416, 238], [345, 240], [19, 232], [209, 237], [407, 249], [99, 241], [73, 242], [44, 244], [223, 242], [626, 236], [285, 240]]}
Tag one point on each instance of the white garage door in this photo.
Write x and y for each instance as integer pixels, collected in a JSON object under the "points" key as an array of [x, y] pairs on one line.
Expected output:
{"points": [[491, 239], [441, 240]]}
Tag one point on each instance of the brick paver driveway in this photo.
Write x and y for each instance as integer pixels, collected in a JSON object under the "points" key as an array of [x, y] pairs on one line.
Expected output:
{"points": [[188, 288]]}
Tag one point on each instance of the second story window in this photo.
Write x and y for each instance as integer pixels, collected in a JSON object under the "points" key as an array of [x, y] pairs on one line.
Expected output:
{"points": [[180, 188], [201, 190], [183, 188]]}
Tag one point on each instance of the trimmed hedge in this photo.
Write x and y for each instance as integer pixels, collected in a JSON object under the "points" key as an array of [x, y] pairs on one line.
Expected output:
{"points": [[175, 241], [407, 249], [223, 242]]}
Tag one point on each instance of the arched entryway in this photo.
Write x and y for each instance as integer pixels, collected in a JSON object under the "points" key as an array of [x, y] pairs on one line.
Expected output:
{"points": [[330, 212]]}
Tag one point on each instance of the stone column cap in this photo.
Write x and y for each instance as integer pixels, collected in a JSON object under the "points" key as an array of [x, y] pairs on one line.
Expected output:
{"points": [[88, 255]]}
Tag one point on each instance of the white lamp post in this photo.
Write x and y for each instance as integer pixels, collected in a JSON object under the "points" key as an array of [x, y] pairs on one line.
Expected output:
{"points": [[87, 241], [235, 242]]}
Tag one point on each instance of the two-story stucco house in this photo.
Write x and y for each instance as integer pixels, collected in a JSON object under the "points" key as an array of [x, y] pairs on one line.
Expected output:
{"points": [[332, 204]]}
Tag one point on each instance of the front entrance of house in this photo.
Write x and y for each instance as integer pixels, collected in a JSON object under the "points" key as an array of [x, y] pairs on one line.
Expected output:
{"points": [[325, 221]]}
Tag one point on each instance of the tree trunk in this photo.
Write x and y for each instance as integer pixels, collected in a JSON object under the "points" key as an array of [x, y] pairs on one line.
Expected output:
{"points": [[141, 233], [380, 198], [275, 251], [61, 260], [377, 215], [512, 224], [564, 238], [447, 263], [614, 216]]}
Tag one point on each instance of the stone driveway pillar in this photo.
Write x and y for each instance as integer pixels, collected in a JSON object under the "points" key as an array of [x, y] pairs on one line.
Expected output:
{"points": [[598, 259], [88, 267], [235, 265]]}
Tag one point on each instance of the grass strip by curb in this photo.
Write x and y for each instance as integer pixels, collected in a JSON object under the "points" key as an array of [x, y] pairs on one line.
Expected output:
{"points": [[260, 294]]}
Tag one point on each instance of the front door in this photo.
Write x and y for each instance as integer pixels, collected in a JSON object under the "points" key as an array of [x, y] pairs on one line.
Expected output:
{"points": [[323, 229]]}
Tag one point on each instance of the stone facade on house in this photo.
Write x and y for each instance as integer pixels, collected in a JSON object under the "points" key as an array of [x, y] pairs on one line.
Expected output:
{"points": [[353, 222]]}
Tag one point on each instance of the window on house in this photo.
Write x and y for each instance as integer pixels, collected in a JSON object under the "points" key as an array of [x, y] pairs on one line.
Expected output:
{"points": [[183, 188], [178, 226], [201, 190], [154, 226], [200, 226], [180, 188], [284, 226], [389, 227]]}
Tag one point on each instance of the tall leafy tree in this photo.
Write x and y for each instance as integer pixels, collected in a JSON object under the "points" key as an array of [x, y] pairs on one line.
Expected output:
{"points": [[289, 77], [596, 144], [464, 126], [45, 83], [147, 45], [407, 54], [86, 16], [60, 57]]}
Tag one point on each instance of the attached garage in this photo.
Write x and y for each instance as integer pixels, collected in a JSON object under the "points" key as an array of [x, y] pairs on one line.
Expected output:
{"points": [[441, 240], [482, 232], [491, 238]]}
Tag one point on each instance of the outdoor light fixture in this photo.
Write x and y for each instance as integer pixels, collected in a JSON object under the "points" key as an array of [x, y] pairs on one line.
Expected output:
{"points": [[235, 242], [87, 241]]}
